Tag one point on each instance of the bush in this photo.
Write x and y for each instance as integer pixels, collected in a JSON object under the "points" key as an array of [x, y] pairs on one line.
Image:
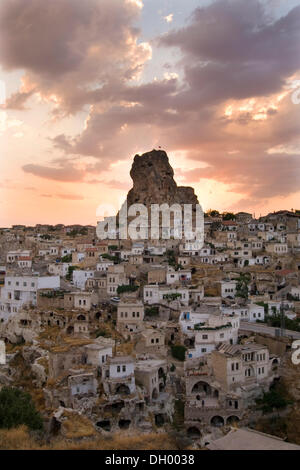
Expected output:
{"points": [[152, 311], [178, 351], [102, 333], [276, 398], [66, 259], [125, 288], [17, 408]]}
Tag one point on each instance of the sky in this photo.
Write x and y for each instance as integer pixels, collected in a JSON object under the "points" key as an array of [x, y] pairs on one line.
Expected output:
{"points": [[86, 85]]}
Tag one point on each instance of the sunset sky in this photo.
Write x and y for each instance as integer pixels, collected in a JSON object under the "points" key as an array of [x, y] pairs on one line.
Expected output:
{"points": [[91, 83]]}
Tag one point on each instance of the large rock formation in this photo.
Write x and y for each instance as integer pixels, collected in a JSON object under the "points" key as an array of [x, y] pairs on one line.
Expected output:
{"points": [[153, 182]]}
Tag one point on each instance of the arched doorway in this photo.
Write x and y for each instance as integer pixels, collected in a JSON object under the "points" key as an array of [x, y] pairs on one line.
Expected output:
{"points": [[202, 389], [154, 394], [159, 420], [70, 330], [189, 342], [217, 421], [232, 420], [81, 318], [275, 364], [122, 389]]}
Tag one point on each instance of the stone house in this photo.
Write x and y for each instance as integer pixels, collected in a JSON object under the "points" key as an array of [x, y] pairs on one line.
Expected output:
{"points": [[152, 341], [130, 316], [151, 374], [118, 376]]}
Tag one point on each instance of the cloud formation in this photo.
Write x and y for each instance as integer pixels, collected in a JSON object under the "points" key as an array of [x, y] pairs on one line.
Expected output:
{"points": [[69, 48], [229, 109], [66, 173]]}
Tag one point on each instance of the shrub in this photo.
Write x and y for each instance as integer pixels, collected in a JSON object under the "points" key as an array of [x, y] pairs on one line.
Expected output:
{"points": [[17, 408], [178, 351], [125, 288], [152, 311], [276, 398], [66, 259]]}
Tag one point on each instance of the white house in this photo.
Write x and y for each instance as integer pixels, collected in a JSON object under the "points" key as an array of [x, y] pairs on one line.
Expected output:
{"points": [[19, 291], [191, 248], [103, 265], [174, 276], [277, 248], [118, 375], [156, 250], [209, 330], [99, 351], [59, 269], [256, 312], [295, 292], [13, 256], [24, 262], [161, 294], [137, 249], [80, 277], [64, 251], [228, 289]]}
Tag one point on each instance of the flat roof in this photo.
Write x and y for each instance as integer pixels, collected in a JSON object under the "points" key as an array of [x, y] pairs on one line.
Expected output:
{"points": [[249, 439]]}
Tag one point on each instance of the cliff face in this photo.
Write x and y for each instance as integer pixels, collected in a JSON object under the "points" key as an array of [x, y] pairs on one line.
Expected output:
{"points": [[153, 182]]}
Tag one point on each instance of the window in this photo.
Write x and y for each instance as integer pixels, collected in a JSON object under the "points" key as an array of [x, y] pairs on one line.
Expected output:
{"points": [[124, 368], [118, 368], [204, 336]]}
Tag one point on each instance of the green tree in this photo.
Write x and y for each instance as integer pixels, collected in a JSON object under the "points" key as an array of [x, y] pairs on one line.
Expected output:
{"points": [[242, 285], [125, 288], [17, 408], [277, 398], [70, 272], [66, 259], [212, 213], [228, 216], [178, 351]]}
